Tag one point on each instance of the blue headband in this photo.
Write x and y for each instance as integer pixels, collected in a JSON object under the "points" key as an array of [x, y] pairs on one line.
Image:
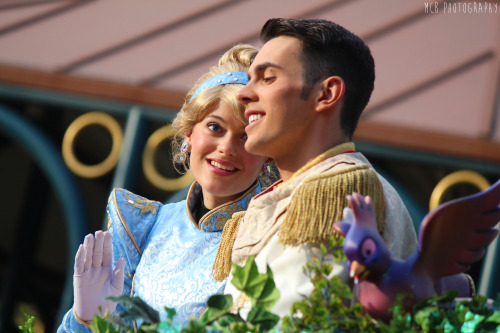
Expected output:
{"points": [[224, 78]]}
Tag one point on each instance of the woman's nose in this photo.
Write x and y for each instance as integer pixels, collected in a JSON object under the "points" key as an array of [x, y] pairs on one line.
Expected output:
{"points": [[227, 146]]}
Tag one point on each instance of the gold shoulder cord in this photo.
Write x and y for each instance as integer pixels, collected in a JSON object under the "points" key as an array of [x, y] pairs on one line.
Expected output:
{"points": [[319, 202], [222, 262]]}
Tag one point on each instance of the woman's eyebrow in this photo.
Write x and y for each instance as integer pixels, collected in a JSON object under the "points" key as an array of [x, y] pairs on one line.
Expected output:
{"points": [[216, 117]]}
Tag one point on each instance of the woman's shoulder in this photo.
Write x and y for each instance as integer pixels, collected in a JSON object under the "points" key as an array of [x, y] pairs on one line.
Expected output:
{"points": [[135, 211], [131, 204], [131, 220], [131, 214]]}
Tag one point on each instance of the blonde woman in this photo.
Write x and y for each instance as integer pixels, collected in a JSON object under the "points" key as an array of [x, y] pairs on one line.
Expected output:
{"points": [[164, 253]]}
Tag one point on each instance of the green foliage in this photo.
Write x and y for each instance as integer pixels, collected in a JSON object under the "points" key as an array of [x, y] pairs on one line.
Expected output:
{"points": [[29, 324], [218, 317], [259, 287], [329, 308]]}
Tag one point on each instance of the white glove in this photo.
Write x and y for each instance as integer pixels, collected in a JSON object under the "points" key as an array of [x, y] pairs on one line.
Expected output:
{"points": [[94, 278]]}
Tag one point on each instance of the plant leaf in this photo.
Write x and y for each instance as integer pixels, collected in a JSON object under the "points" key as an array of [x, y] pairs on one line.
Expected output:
{"points": [[218, 306], [100, 325], [137, 309], [242, 274], [263, 318]]}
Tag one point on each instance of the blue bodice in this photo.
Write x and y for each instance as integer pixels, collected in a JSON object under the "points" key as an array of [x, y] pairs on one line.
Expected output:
{"points": [[169, 256]]}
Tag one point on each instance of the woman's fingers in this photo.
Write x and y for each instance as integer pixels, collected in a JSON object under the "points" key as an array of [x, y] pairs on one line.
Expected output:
{"points": [[107, 254], [98, 249], [88, 246], [79, 260], [95, 251]]}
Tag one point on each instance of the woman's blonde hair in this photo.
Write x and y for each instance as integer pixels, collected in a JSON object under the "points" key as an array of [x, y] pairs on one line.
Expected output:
{"points": [[238, 59]]}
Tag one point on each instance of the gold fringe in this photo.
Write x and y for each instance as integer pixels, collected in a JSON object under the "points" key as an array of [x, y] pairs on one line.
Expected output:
{"points": [[222, 262], [318, 203]]}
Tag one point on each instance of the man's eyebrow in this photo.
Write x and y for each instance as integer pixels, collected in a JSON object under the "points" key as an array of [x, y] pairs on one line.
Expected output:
{"points": [[262, 67]]}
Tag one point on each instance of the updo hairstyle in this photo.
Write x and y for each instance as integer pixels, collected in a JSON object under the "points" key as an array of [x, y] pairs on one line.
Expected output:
{"points": [[238, 58]]}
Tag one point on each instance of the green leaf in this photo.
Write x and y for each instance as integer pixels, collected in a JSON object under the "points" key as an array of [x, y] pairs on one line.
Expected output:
{"points": [[495, 318], [220, 302], [324, 250], [195, 326], [242, 274], [100, 325], [249, 280], [29, 324], [137, 309], [153, 328], [218, 306], [170, 313], [269, 294], [259, 287], [263, 318]]}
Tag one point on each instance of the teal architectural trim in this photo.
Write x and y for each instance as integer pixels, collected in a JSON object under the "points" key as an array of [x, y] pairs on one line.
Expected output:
{"points": [[50, 162], [433, 159], [81, 102]]}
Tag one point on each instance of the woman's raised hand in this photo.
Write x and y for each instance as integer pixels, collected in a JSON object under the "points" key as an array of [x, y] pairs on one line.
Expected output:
{"points": [[94, 278]]}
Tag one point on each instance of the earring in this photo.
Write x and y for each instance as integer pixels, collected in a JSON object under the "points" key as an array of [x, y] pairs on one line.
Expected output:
{"points": [[184, 149], [266, 169]]}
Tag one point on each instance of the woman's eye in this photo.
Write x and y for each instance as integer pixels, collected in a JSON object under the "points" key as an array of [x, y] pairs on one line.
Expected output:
{"points": [[244, 137], [214, 127], [268, 79]]}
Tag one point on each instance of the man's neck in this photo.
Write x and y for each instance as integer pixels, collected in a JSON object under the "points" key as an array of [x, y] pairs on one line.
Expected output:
{"points": [[289, 166]]}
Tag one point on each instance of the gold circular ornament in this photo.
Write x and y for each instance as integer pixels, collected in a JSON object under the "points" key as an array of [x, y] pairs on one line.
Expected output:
{"points": [[85, 120], [148, 163], [454, 178]]}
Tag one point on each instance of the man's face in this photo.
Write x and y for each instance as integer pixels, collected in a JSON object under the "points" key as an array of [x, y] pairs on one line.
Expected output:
{"points": [[278, 116]]}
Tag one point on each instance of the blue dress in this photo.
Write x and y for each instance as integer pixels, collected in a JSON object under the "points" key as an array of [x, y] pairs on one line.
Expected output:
{"points": [[168, 255]]}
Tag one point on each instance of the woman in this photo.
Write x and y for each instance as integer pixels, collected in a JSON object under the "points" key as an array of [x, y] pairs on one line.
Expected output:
{"points": [[166, 252]]}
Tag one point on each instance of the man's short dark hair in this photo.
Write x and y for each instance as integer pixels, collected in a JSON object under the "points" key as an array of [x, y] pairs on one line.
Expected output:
{"points": [[328, 49]]}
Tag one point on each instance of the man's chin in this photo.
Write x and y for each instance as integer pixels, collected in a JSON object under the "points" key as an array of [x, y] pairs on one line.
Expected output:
{"points": [[253, 147]]}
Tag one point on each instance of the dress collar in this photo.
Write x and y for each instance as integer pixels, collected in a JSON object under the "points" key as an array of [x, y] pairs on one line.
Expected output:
{"points": [[216, 218]]}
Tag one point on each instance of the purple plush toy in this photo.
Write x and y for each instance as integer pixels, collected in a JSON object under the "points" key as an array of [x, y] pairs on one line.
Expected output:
{"points": [[451, 238]]}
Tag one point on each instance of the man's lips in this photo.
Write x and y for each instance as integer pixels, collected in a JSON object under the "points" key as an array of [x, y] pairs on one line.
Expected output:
{"points": [[253, 116]]}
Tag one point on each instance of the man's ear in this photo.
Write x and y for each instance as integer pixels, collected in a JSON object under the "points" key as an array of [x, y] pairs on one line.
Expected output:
{"points": [[332, 91]]}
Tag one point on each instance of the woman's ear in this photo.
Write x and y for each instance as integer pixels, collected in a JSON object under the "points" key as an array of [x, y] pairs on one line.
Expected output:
{"points": [[187, 138], [332, 91]]}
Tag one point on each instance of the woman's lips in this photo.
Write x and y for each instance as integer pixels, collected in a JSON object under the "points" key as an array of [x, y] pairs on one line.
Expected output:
{"points": [[221, 168]]}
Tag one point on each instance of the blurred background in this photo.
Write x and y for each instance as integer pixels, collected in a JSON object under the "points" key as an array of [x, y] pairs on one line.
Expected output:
{"points": [[88, 87]]}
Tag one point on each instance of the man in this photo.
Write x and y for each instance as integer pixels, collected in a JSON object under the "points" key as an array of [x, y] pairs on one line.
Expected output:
{"points": [[308, 87]]}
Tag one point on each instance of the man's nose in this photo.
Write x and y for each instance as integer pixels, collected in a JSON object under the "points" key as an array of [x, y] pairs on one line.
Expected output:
{"points": [[246, 94]]}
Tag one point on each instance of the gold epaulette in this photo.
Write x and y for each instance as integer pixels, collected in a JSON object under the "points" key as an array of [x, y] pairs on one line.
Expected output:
{"points": [[319, 202], [222, 262]]}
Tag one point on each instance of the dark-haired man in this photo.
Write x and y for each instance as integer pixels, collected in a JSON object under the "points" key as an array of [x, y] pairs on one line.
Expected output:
{"points": [[308, 87]]}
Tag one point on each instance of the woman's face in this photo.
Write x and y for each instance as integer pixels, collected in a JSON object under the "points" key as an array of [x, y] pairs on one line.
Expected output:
{"points": [[218, 160]]}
